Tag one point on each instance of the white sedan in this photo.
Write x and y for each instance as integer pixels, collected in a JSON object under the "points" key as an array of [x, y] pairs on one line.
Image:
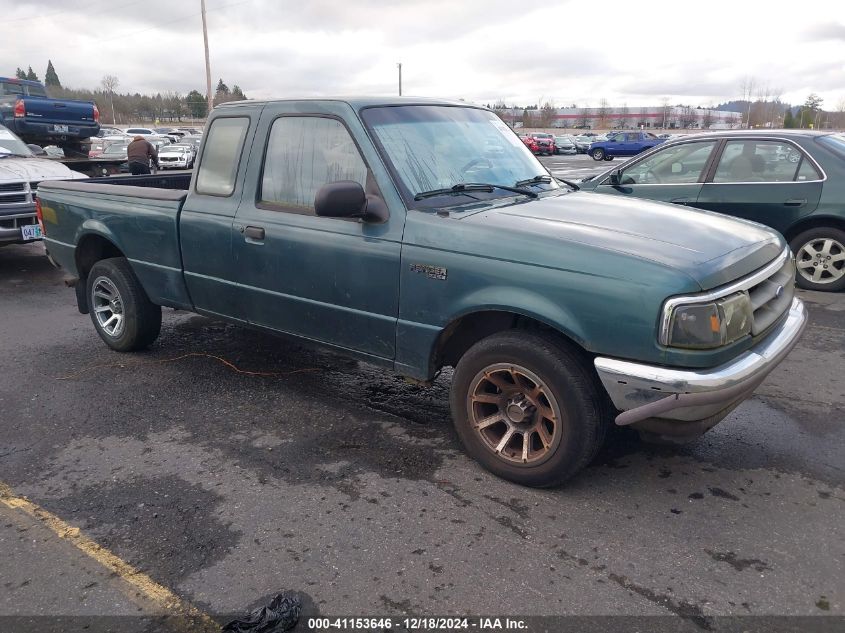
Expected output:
{"points": [[176, 156]]}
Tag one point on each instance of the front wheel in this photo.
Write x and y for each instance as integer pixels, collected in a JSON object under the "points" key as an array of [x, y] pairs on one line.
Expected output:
{"points": [[122, 314], [597, 154], [527, 409], [820, 259]]}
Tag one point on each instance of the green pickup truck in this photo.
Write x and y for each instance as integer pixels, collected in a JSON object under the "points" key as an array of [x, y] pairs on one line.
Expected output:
{"points": [[419, 234]]}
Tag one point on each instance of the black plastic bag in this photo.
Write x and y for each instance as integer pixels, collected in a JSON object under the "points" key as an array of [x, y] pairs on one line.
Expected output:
{"points": [[280, 615]]}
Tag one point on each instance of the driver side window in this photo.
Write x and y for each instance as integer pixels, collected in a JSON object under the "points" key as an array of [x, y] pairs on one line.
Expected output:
{"points": [[680, 164]]}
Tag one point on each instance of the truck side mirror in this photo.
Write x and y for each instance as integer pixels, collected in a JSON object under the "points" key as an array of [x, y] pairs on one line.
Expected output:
{"points": [[36, 149], [616, 178], [342, 199]]}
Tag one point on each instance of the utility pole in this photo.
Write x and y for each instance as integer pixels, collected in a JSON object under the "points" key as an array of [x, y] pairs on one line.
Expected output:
{"points": [[207, 63], [399, 66]]}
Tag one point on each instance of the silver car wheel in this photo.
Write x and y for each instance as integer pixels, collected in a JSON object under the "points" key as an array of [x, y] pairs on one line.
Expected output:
{"points": [[821, 260], [108, 306]]}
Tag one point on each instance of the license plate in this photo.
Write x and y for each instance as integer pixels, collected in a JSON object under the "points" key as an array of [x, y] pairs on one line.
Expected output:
{"points": [[31, 232], [60, 128]]}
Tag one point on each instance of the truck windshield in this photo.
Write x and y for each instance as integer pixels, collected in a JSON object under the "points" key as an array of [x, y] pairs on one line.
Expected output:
{"points": [[11, 145], [437, 147]]}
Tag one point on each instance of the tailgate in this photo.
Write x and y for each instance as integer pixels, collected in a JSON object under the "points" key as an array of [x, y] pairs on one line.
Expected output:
{"points": [[56, 111]]}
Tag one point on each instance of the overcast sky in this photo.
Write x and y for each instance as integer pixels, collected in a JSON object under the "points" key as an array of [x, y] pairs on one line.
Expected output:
{"points": [[519, 51]]}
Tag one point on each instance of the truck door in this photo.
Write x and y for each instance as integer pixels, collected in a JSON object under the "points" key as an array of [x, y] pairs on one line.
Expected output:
{"points": [[327, 279], [205, 225]]}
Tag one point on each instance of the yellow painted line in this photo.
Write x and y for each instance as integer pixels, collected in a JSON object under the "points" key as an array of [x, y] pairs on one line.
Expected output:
{"points": [[187, 616]]}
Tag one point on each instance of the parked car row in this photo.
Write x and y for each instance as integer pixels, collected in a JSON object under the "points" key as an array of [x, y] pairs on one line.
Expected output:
{"points": [[180, 155]]}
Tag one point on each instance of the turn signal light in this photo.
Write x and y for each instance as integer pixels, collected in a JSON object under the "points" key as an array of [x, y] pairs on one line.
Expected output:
{"points": [[40, 215]]}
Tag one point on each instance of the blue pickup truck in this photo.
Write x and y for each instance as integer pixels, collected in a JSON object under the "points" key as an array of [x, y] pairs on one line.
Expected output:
{"points": [[377, 228], [26, 110], [623, 144]]}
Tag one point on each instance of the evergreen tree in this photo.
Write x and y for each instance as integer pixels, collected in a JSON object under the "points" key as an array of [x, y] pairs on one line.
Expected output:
{"points": [[222, 88], [788, 119], [30, 74], [237, 93], [50, 77], [197, 105], [20, 74]]}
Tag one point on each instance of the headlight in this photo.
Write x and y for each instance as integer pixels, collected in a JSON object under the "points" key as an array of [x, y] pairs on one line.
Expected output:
{"points": [[708, 325]]}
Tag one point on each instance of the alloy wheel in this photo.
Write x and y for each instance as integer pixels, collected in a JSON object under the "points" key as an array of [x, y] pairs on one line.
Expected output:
{"points": [[515, 413]]}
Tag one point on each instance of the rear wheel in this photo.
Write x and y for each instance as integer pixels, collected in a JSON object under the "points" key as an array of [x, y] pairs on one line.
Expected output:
{"points": [[597, 154], [527, 409], [820, 259], [122, 314]]}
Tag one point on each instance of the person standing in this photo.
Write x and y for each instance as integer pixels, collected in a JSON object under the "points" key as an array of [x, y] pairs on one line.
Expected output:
{"points": [[140, 153]]}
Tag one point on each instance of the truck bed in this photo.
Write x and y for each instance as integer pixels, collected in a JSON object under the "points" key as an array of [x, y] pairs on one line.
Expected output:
{"points": [[133, 216]]}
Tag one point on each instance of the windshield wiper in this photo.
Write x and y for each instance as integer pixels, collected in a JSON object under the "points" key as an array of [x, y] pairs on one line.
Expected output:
{"points": [[465, 187], [536, 180], [568, 183]]}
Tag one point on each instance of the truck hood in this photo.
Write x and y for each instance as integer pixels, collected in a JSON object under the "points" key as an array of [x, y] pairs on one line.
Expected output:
{"points": [[34, 169], [711, 248]]}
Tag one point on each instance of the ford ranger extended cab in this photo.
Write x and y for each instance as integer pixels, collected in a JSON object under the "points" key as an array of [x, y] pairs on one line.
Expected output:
{"points": [[623, 144], [378, 228]]}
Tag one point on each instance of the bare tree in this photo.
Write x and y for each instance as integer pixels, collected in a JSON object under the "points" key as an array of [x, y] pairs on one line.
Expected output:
{"points": [[502, 110], [640, 118], [547, 114], [707, 117], [622, 116], [747, 89], [109, 83], [688, 117], [775, 108], [840, 114], [584, 117], [603, 111], [666, 110]]}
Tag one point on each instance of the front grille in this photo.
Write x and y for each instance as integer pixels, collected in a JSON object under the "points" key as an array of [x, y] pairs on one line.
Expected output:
{"points": [[14, 193], [772, 297]]}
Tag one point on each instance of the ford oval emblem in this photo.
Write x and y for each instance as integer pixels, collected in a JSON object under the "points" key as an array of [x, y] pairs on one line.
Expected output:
{"points": [[779, 292]]}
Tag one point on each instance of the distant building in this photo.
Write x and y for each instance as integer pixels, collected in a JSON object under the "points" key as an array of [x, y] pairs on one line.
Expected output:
{"points": [[651, 117]]}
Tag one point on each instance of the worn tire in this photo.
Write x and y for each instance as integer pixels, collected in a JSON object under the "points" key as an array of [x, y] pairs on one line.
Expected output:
{"points": [[574, 393], [597, 154], [141, 317], [815, 239]]}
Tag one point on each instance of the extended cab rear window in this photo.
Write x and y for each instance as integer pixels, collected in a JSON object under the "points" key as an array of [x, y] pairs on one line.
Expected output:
{"points": [[222, 148]]}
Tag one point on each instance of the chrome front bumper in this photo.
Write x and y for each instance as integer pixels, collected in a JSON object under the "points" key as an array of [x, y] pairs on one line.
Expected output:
{"points": [[648, 392]]}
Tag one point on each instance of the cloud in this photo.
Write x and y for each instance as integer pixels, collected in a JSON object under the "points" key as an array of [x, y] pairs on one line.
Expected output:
{"points": [[826, 31], [478, 50]]}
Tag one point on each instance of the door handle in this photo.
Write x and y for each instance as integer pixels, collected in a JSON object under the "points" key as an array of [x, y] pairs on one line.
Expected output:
{"points": [[680, 200], [254, 232], [795, 202]]}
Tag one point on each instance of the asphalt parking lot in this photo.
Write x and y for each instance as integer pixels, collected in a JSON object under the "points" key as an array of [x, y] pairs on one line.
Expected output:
{"points": [[226, 465]]}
